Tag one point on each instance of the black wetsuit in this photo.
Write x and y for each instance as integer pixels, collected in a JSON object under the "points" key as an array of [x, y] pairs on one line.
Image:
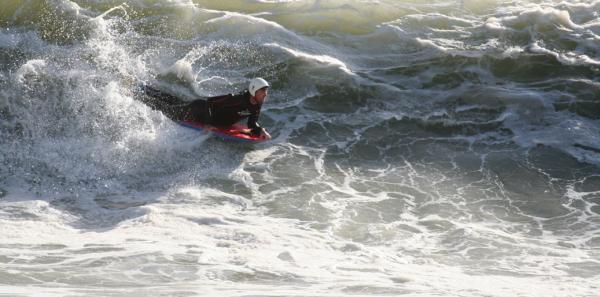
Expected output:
{"points": [[223, 110]]}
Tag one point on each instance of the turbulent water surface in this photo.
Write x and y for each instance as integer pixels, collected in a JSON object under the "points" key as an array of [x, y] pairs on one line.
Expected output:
{"points": [[420, 148]]}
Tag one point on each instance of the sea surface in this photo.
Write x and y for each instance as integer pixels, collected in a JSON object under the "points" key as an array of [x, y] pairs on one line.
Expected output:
{"points": [[420, 148]]}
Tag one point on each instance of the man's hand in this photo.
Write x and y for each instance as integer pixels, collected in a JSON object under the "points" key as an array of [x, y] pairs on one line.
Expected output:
{"points": [[263, 133], [246, 131]]}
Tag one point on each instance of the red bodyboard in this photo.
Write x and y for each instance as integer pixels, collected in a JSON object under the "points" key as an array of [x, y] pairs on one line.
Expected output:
{"points": [[231, 133]]}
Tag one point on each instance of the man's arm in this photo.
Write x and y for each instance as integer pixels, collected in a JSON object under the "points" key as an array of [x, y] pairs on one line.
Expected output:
{"points": [[253, 124], [254, 127]]}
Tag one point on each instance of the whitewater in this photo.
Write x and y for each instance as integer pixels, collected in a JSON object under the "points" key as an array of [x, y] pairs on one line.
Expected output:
{"points": [[420, 148]]}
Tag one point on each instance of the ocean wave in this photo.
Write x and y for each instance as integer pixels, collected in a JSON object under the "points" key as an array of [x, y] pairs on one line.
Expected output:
{"points": [[418, 148]]}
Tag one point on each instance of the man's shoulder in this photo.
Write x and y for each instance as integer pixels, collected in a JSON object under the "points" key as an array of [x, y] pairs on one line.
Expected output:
{"points": [[219, 99], [243, 94], [242, 99]]}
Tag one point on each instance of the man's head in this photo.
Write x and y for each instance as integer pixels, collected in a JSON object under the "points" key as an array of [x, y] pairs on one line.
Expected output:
{"points": [[258, 89]]}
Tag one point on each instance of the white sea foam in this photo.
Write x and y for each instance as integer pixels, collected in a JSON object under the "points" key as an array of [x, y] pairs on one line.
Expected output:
{"points": [[324, 59], [31, 68], [572, 58], [245, 242], [183, 70]]}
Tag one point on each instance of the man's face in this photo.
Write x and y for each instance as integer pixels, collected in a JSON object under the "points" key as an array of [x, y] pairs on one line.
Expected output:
{"points": [[260, 95]]}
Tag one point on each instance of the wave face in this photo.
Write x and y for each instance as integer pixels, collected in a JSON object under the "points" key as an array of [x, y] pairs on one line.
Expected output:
{"points": [[421, 148]]}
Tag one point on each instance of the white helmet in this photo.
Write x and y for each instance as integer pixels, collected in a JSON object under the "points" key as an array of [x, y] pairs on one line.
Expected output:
{"points": [[257, 84]]}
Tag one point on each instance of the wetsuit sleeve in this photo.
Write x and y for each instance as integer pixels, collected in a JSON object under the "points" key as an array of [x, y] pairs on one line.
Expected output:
{"points": [[253, 122]]}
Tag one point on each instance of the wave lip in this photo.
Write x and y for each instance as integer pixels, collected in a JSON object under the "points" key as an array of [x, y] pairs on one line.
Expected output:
{"points": [[323, 59]]}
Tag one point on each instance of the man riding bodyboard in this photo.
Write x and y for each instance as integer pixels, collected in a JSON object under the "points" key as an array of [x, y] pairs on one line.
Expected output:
{"points": [[219, 111]]}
